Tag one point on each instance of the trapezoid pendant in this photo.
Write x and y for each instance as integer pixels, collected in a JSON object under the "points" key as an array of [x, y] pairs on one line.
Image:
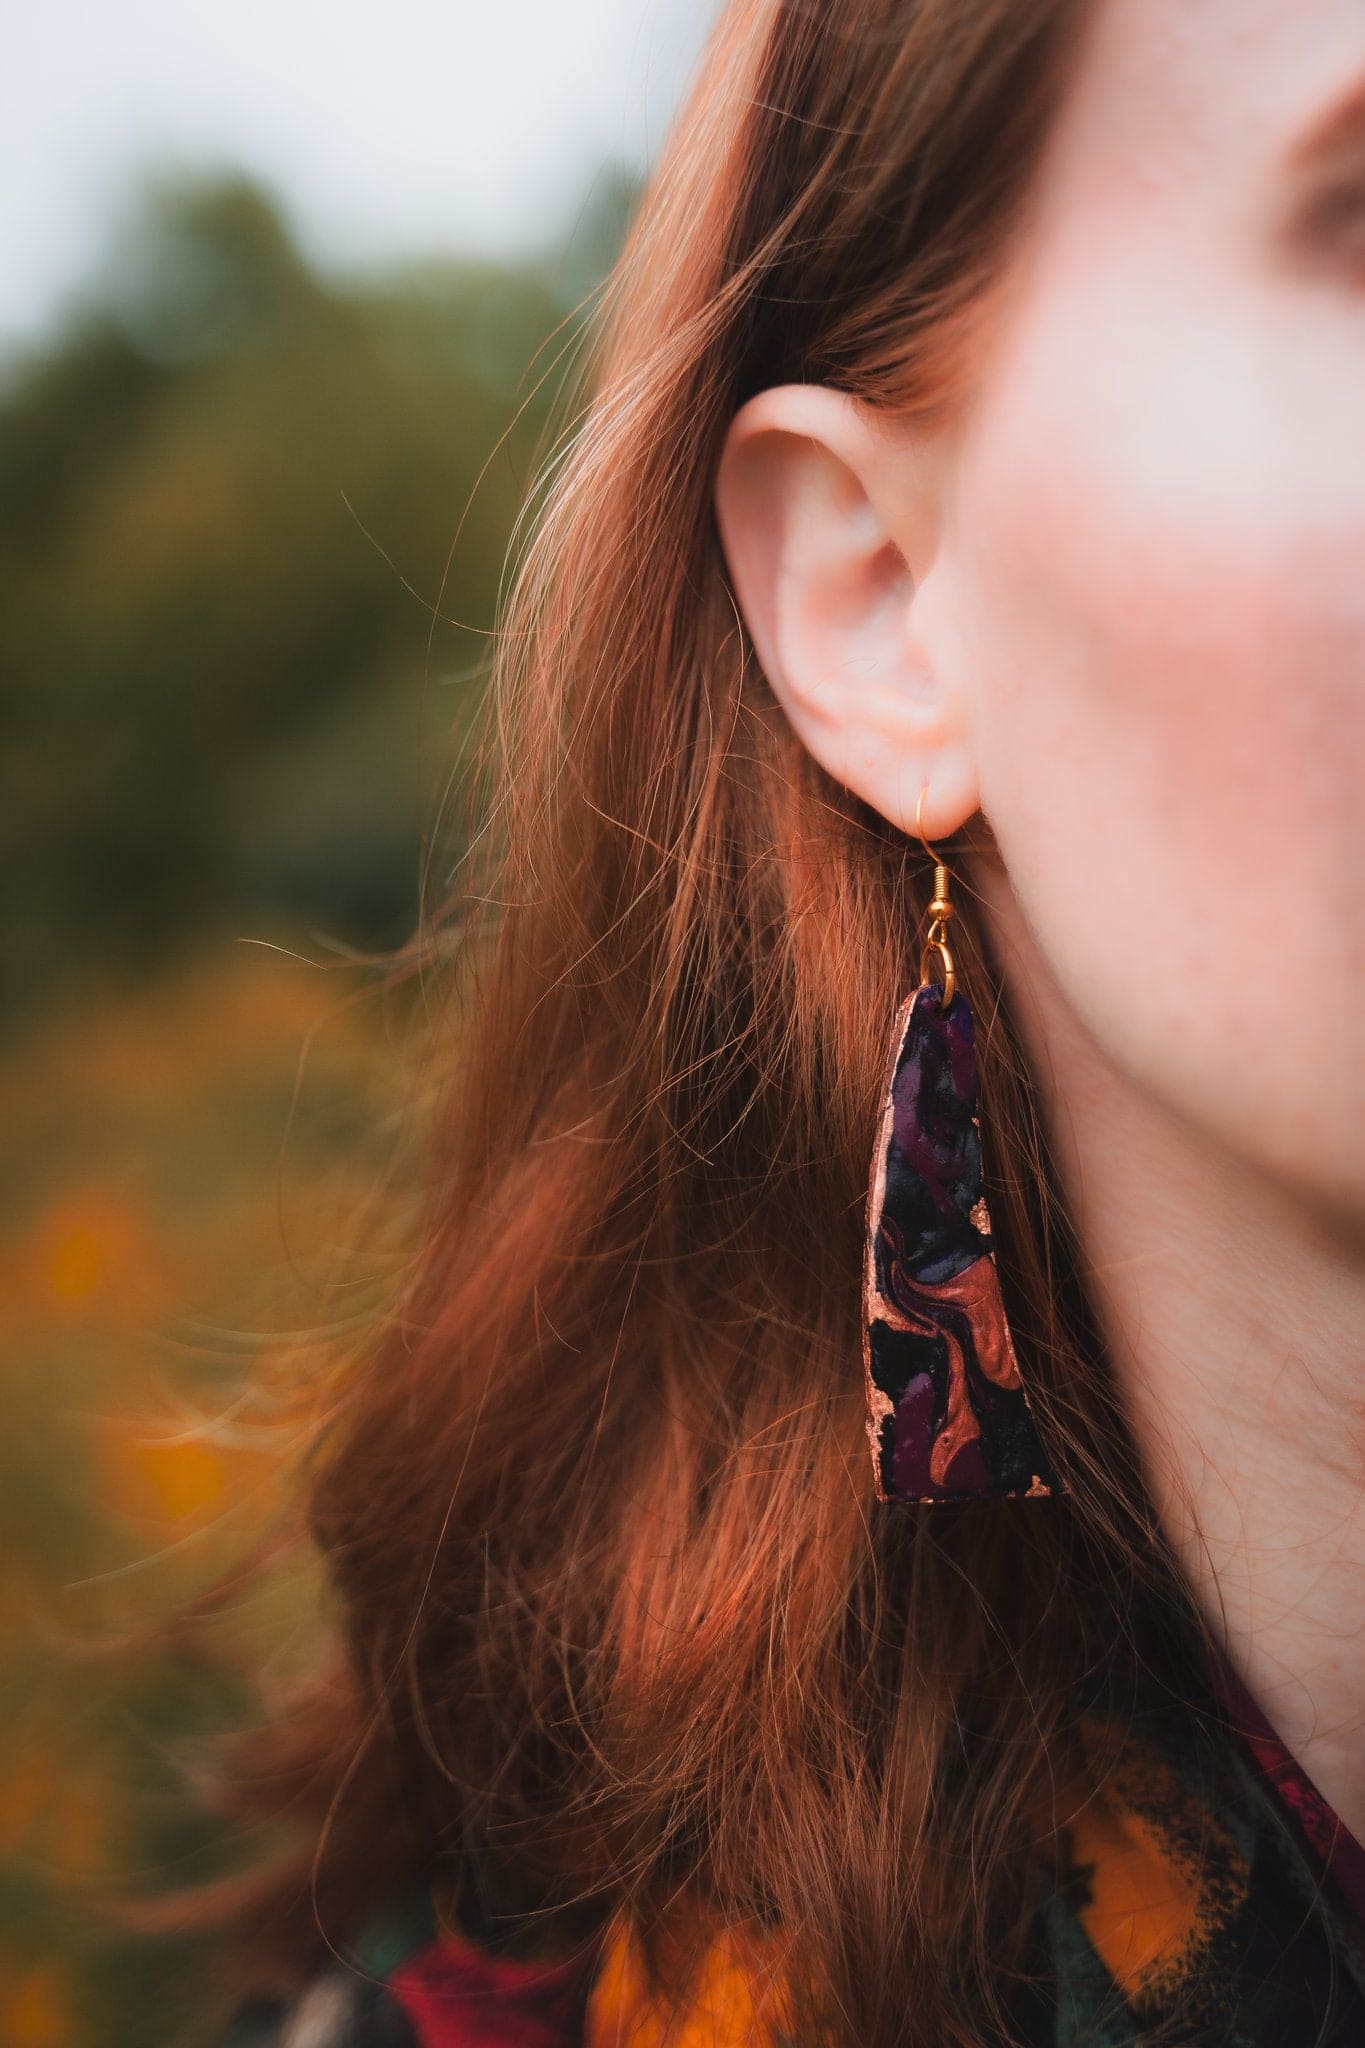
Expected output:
{"points": [[947, 1415]]}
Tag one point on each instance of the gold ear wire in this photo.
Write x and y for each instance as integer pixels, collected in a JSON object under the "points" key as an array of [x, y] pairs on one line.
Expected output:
{"points": [[940, 910]]}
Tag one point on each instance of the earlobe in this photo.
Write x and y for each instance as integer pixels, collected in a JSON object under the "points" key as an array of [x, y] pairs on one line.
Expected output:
{"points": [[821, 511]]}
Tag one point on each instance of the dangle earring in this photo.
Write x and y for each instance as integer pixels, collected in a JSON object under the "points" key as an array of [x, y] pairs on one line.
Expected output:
{"points": [[947, 1415]]}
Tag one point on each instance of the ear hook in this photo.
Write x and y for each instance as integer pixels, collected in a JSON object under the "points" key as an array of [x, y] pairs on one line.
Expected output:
{"points": [[940, 910]]}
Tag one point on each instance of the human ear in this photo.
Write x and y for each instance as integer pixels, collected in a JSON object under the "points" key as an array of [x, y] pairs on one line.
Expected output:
{"points": [[822, 507]]}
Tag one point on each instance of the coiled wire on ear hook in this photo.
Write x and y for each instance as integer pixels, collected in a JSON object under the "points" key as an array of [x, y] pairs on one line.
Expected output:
{"points": [[940, 910]]}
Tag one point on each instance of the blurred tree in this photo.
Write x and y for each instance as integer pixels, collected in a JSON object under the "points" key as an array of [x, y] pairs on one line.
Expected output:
{"points": [[231, 645]]}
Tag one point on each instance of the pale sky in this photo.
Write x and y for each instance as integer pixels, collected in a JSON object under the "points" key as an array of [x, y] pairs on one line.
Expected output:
{"points": [[391, 128]]}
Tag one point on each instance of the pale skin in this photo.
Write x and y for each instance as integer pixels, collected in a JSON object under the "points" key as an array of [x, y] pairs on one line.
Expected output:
{"points": [[1118, 606]]}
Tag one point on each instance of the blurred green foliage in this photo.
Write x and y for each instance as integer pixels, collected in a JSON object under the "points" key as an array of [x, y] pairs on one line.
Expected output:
{"points": [[235, 634], [239, 641]]}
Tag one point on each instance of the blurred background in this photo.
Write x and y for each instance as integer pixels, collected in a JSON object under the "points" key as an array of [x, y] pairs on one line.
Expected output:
{"points": [[287, 294]]}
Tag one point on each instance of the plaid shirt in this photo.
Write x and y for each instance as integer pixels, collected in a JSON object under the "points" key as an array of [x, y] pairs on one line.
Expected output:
{"points": [[1256, 1937]]}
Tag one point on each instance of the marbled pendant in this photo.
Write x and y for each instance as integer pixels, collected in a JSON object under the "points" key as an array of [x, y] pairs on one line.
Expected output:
{"points": [[947, 1415]]}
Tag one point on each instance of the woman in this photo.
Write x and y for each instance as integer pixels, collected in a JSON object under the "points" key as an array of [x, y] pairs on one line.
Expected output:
{"points": [[971, 479]]}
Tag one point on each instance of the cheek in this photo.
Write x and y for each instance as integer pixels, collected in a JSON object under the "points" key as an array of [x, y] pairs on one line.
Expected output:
{"points": [[1155, 579]]}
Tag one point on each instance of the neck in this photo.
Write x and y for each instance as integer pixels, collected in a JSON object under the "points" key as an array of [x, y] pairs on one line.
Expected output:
{"points": [[1233, 1321]]}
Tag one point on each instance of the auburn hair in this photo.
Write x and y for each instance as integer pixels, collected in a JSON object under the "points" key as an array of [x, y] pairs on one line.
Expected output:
{"points": [[621, 1624]]}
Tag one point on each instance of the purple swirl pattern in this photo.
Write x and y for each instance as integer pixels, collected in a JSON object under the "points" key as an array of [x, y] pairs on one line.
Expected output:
{"points": [[947, 1414]]}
